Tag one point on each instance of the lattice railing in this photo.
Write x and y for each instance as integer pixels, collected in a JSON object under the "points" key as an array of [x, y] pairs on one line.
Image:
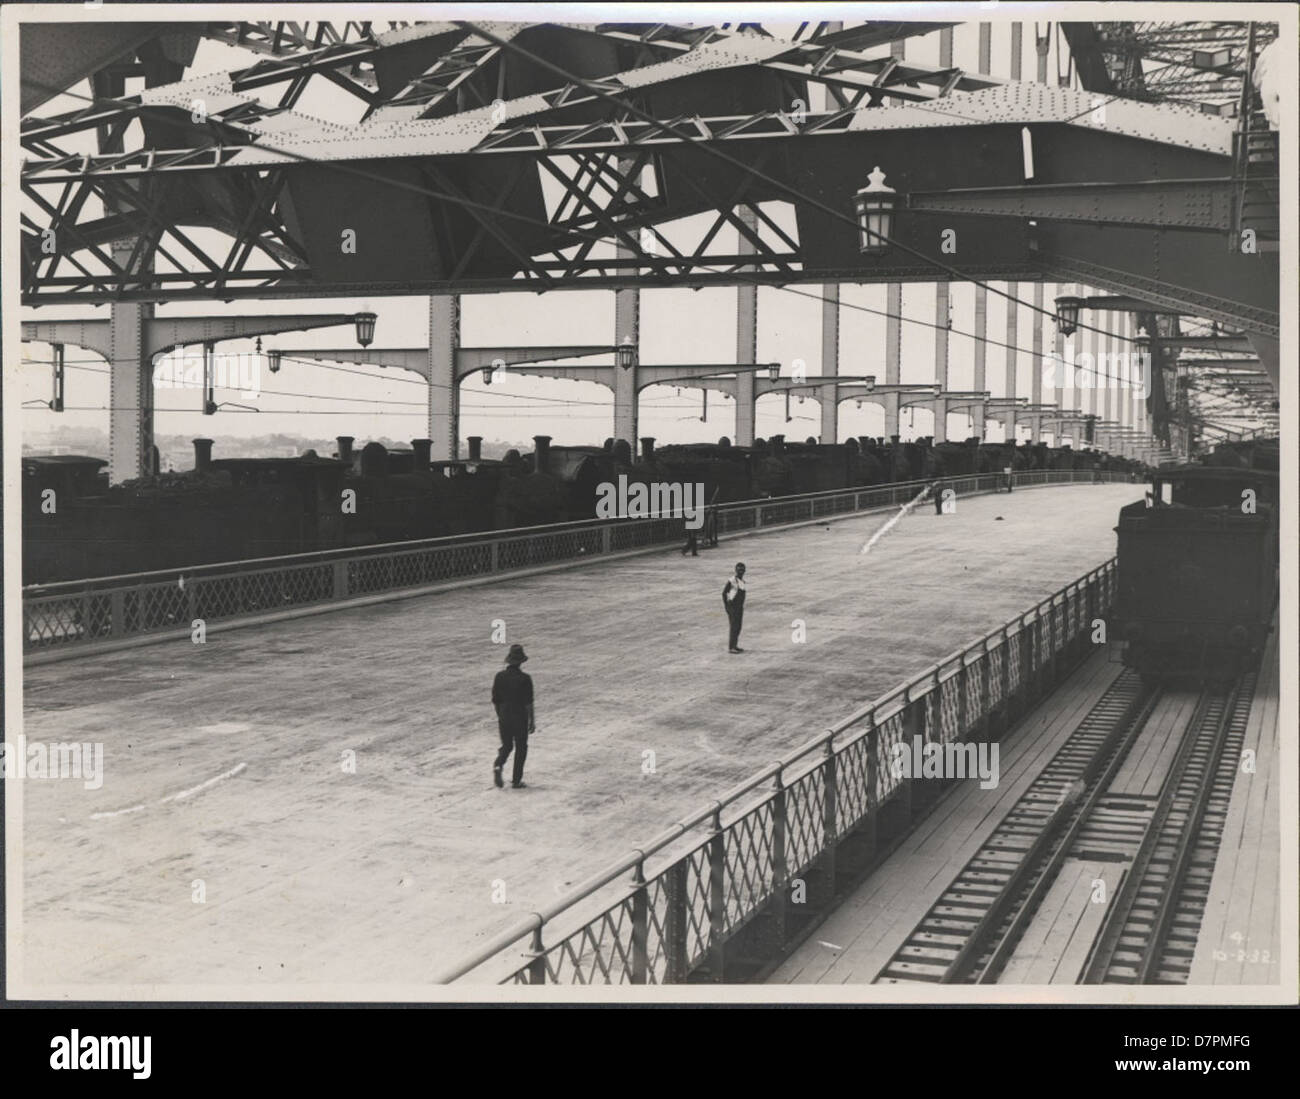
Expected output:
{"points": [[76, 614], [678, 921]]}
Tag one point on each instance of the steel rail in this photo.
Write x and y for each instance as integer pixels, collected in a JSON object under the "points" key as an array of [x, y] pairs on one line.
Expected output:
{"points": [[1097, 775], [1121, 909]]}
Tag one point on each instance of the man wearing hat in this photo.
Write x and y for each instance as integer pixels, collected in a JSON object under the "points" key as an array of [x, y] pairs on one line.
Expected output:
{"points": [[512, 695], [733, 601]]}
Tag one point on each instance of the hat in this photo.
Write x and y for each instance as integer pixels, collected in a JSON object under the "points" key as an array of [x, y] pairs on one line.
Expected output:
{"points": [[516, 655]]}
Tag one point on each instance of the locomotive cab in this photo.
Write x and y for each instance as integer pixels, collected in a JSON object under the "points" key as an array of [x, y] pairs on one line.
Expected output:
{"points": [[1197, 573]]}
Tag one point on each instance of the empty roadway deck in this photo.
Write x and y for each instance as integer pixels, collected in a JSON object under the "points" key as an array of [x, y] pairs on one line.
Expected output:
{"points": [[312, 875]]}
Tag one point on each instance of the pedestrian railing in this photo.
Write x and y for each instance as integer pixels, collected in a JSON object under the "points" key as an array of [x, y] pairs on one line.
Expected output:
{"points": [[725, 890], [80, 613]]}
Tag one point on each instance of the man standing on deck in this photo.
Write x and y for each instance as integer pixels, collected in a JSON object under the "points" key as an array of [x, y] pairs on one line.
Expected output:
{"points": [[733, 601], [512, 695]]}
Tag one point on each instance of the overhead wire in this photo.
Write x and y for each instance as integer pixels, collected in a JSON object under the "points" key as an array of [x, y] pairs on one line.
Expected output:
{"points": [[1016, 301], [740, 276]]}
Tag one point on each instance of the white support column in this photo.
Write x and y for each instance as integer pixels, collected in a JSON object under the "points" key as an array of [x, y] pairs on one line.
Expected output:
{"points": [[1119, 359], [1060, 392], [746, 339], [940, 404], [1096, 376], [1109, 391], [130, 419], [627, 327], [893, 354], [978, 420], [130, 385], [1036, 365], [1009, 384], [1142, 370], [444, 389], [830, 362], [981, 356]]}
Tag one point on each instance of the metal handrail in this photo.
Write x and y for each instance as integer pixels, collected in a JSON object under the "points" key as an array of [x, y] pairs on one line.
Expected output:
{"points": [[309, 557], [872, 713], [67, 617]]}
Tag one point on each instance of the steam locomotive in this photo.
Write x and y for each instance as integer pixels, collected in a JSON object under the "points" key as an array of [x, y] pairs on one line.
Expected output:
{"points": [[243, 508], [1197, 572]]}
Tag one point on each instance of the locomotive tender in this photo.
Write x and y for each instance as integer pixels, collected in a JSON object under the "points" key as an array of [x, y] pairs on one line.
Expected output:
{"points": [[1197, 573]]}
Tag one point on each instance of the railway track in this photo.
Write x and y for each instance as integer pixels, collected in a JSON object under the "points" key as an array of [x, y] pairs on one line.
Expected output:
{"points": [[1164, 845], [1151, 927]]}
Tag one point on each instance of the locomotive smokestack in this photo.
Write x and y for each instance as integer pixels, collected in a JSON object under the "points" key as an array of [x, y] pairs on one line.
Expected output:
{"points": [[202, 455], [541, 453], [647, 447], [423, 449], [475, 448], [345, 448], [778, 445]]}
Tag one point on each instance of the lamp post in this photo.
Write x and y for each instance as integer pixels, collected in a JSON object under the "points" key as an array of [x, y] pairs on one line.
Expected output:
{"points": [[365, 328], [875, 205], [209, 384], [1067, 314], [625, 353]]}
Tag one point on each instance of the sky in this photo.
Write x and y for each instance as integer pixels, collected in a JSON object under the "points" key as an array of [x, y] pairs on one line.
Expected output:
{"points": [[676, 326]]}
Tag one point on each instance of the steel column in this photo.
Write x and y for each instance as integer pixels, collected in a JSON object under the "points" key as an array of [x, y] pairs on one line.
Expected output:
{"points": [[978, 416], [1108, 404], [130, 417], [1061, 371], [627, 330], [828, 395], [940, 404], [893, 354], [444, 390], [746, 338], [1010, 384], [1036, 365], [1093, 397], [981, 354]]}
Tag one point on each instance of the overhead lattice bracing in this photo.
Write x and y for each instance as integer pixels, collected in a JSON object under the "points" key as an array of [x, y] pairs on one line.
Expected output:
{"points": [[539, 156]]}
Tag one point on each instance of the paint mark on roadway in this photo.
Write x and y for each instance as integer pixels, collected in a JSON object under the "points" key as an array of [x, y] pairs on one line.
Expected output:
{"points": [[180, 795]]}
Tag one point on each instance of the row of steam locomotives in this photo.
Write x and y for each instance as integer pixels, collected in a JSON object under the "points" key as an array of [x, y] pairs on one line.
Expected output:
{"points": [[232, 509], [1197, 576]]}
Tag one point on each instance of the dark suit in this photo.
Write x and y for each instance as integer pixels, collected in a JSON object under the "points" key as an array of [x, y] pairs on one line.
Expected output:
{"points": [[735, 608], [512, 695]]}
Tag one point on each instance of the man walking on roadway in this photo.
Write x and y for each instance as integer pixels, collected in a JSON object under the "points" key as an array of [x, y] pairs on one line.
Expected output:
{"points": [[512, 695], [733, 601]]}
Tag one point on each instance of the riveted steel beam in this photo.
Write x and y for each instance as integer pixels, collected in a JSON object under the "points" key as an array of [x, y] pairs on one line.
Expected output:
{"points": [[1168, 296], [1198, 204]]}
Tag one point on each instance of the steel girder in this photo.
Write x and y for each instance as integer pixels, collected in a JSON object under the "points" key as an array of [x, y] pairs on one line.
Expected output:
{"points": [[1158, 62], [55, 56], [284, 39], [1194, 204], [510, 241]]}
